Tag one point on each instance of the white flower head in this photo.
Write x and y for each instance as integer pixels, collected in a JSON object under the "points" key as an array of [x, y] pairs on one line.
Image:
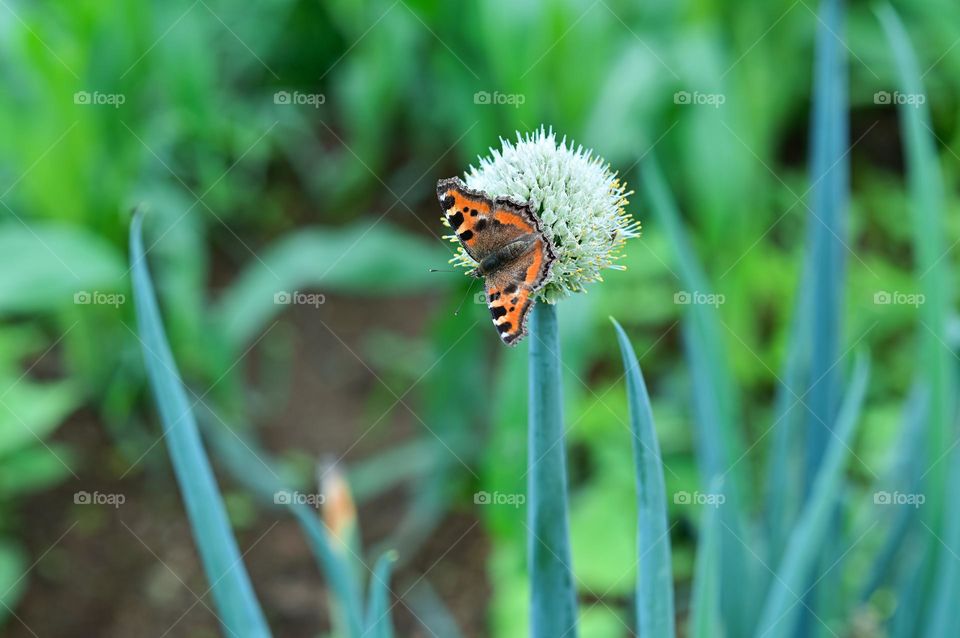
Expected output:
{"points": [[574, 193]]}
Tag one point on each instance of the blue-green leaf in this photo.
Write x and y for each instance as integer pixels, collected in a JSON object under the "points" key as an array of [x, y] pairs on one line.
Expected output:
{"points": [[719, 440], [379, 624], [935, 370], [784, 469], [654, 595], [255, 469], [788, 588], [705, 607], [237, 605], [829, 175], [430, 610], [904, 476]]}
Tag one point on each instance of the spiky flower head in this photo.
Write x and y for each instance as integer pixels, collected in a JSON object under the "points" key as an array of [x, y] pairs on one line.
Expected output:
{"points": [[574, 193]]}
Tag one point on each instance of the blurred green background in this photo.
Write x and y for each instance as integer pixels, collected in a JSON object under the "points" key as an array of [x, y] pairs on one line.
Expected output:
{"points": [[293, 146]]}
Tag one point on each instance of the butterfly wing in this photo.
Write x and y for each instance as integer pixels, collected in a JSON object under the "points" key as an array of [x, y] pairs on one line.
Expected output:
{"points": [[510, 290], [483, 226]]}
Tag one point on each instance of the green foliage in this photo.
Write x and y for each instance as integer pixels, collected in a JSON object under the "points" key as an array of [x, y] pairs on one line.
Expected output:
{"points": [[254, 468], [829, 195], [716, 405], [249, 198], [807, 537], [12, 563], [378, 606], [45, 265], [654, 590], [705, 621], [240, 612], [361, 259], [936, 375]]}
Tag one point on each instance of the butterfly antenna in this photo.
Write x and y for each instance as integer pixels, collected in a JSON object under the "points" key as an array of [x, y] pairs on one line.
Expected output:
{"points": [[439, 270], [464, 300]]}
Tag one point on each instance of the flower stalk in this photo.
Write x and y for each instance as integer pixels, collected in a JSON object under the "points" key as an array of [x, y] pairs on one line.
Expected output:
{"points": [[553, 608]]}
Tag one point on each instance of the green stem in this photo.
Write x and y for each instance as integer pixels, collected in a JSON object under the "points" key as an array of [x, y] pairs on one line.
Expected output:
{"points": [[553, 605]]}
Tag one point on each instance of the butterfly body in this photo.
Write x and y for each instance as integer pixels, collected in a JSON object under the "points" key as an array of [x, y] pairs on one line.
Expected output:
{"points": [[506, 240], [503, 256]]}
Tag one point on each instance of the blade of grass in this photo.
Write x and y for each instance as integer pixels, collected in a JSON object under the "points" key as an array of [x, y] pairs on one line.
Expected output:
{"points": [[335, 566], [721, 438], [430, 611], [927, 203], [909, 587], [654, 592], [784, 471], [254, 469], [830, 191], [942, 620], [803, 547], [379, 624], [716, 407], [705, 607], [239, 610], [829, 175], [553, 604], [904, 477]]}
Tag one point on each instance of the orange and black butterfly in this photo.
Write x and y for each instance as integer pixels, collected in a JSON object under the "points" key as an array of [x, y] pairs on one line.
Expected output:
{"points": [[506, 239]]}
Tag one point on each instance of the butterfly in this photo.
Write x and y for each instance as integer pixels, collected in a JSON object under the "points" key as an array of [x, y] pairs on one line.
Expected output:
{"points": [[506, 240]]}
